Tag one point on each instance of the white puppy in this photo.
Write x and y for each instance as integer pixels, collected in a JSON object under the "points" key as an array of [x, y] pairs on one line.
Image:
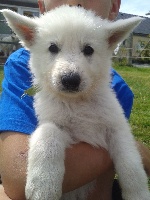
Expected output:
{"points": [[71, 52]]}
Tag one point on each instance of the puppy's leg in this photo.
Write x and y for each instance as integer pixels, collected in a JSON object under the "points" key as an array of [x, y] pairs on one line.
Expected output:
{"points": [[128, 165], [46, 163]]}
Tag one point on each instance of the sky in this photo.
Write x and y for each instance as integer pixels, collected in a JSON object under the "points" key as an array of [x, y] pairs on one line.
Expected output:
{"points": [[136, 7]]}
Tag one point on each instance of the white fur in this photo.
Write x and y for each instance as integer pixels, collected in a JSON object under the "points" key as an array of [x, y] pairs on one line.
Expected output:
{"points": [[92, 114]]}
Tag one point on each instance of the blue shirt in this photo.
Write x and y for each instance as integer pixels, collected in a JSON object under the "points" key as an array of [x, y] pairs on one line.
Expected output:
{"points": [[16, 111]]}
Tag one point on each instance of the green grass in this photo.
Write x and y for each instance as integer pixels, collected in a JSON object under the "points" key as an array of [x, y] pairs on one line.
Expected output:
{"points": [[139, 81]]}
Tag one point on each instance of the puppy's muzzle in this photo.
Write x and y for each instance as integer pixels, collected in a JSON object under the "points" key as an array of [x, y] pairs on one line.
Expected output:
{"points": [[71, 82]]}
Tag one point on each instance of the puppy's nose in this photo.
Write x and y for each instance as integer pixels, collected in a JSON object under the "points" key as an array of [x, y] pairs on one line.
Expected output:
{"points": [[71, 81]]}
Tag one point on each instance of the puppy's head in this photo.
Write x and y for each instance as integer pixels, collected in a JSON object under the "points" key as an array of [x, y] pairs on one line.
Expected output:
{"points": [[70, 47]]}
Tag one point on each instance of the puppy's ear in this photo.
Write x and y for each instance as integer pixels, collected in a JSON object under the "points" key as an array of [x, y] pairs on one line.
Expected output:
{"points": [[119, 30], [24, 27]]}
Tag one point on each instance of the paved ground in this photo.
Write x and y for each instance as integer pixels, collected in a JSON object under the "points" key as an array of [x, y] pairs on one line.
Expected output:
{"points": [[141, 65]]}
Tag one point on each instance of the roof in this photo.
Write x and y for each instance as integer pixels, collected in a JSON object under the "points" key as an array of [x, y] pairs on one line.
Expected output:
{"points": [[143, 28]]}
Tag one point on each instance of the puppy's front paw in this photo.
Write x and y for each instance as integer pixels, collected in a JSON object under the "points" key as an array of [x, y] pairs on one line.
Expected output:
{"points": [[34, 191], [138, 196], [29, 190], [41, 190]]}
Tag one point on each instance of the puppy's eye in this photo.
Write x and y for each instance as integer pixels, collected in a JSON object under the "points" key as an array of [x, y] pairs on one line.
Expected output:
{"points": [[88, 50], [54, 48]]}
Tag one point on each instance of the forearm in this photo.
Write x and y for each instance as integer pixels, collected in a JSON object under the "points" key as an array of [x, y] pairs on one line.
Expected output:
{"points": [[3, 196], [83, 164], [145, 153]]}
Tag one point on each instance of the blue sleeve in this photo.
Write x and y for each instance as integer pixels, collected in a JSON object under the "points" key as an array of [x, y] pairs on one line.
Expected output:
{"points": [[16, 111], [123, 93]]}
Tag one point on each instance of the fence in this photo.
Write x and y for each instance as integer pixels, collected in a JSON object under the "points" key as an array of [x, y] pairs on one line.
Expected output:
{"points": [[130, 55], [134, 49]]}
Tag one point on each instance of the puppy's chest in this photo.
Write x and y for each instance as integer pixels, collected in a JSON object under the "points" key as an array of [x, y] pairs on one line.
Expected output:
{"points": [[83, 123]]}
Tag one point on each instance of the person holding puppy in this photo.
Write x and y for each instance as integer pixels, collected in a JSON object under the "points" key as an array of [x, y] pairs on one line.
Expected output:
{"points": [[83, 163]]}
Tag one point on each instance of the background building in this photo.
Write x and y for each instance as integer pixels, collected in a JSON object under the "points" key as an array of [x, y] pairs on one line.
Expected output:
{"points": [[133, 48], [137, 46], [24, 7]]}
